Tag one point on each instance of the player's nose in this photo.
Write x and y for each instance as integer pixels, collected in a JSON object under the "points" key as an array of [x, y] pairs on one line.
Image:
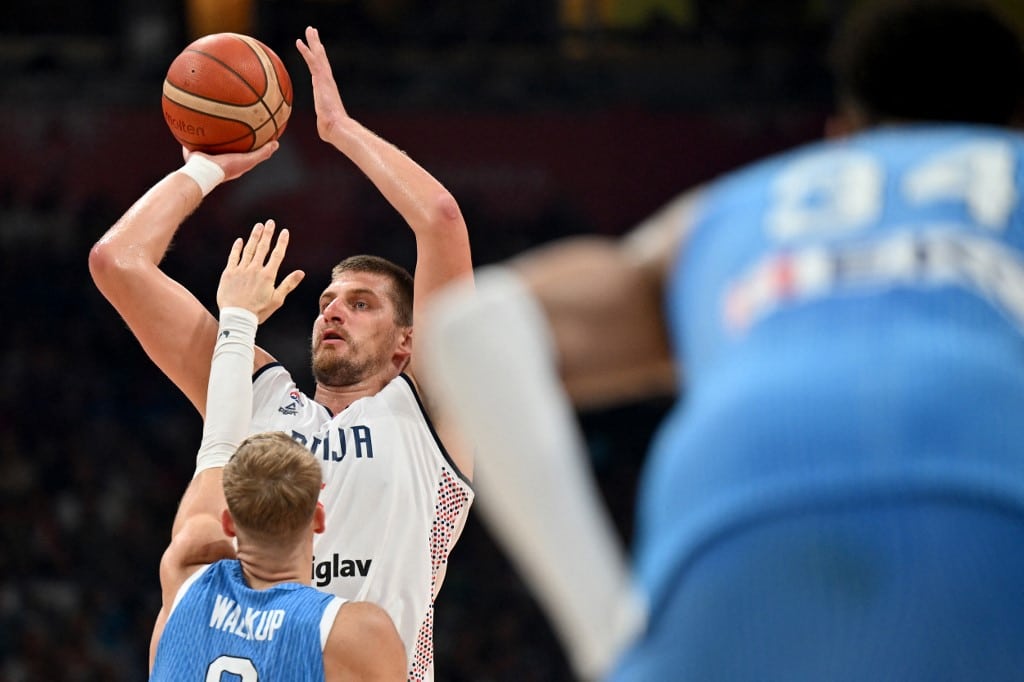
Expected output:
{"points": [[334, 311]]}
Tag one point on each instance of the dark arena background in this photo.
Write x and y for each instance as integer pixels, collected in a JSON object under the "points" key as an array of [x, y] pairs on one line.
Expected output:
{"points": [[543, 117]]}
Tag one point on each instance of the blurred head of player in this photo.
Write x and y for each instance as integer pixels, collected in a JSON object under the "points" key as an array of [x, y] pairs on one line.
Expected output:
{"points": [[928, 60]]}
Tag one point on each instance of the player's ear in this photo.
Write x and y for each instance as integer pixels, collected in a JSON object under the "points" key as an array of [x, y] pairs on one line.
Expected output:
{"points": [[403, 349], [319, 519], [228, 524]]}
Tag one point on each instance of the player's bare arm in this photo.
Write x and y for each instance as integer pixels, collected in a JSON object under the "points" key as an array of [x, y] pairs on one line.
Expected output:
{"points": [[197, 540], [364, 645], [603, 299], [198, 536], [248, 281], [174, 328], [442, 239], [200, 541]]}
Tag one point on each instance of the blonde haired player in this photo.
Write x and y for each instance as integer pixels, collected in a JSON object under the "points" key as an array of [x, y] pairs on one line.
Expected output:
{"points": [[235, 577]]}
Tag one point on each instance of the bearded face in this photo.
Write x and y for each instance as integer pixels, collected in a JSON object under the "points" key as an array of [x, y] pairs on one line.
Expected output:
{"points": [[355, 337], [338, 360]]}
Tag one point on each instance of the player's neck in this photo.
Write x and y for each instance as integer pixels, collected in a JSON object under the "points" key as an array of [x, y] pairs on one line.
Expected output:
{"points": [[337, 398], [264, 568]]}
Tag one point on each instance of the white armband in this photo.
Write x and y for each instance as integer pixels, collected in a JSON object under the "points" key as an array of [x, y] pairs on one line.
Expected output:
{"points": [[229, 394], [206, 173]]}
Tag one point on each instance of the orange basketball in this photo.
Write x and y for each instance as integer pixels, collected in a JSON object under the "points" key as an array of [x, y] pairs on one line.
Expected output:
{"points": [[227, 92]]}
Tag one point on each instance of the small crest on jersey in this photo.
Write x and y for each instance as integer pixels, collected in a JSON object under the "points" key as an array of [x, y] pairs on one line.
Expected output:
{"points": [[295, 401]]}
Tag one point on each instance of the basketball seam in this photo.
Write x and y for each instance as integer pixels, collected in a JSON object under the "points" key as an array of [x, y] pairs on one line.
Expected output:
{"points": [[207, 113], [227, 106], [232, 72], [270, 74]]}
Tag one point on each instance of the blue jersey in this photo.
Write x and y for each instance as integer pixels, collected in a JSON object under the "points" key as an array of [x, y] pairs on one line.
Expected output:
{"points": [[849, 318], [220, 629]]}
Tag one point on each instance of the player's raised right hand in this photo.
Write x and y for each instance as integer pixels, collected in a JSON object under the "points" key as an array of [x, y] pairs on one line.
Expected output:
{"points": [[249, 276]]}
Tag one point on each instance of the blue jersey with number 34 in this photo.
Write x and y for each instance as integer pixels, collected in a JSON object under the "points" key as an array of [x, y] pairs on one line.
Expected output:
{"points": [[221, 630], [849, 317]]}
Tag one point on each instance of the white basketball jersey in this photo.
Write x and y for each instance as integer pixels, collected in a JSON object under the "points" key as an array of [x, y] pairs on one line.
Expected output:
{"points": [[395, 502]]}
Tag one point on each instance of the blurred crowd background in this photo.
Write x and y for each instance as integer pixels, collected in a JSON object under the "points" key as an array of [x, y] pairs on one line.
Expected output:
{"points": [[544, 117]]}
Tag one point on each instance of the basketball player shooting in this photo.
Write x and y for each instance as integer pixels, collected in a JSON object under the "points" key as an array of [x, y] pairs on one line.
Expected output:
{"points": [[406, 476]]}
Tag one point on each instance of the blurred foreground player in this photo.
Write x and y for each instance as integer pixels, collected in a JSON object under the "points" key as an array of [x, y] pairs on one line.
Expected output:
{"points": [[839, 493], [235, 578]]}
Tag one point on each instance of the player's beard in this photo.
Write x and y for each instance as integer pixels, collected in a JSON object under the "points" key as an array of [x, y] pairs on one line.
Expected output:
{"points": [[336, 369]]}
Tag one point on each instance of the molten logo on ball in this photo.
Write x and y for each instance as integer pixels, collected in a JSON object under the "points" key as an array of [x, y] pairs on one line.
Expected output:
{"points": [[227, 92], [181, 127]]}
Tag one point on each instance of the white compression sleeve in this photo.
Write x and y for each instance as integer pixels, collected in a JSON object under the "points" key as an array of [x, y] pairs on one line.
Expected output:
{"points": [[229, 394], [489, 358]]}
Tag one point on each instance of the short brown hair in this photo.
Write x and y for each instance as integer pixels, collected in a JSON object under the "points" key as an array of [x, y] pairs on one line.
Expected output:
{"points": [[272, 485], [401, 282]]}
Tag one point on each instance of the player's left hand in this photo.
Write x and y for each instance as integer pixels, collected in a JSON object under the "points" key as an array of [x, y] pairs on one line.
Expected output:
{"points": [[330, 111], [249, 276], [237, 164]]}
